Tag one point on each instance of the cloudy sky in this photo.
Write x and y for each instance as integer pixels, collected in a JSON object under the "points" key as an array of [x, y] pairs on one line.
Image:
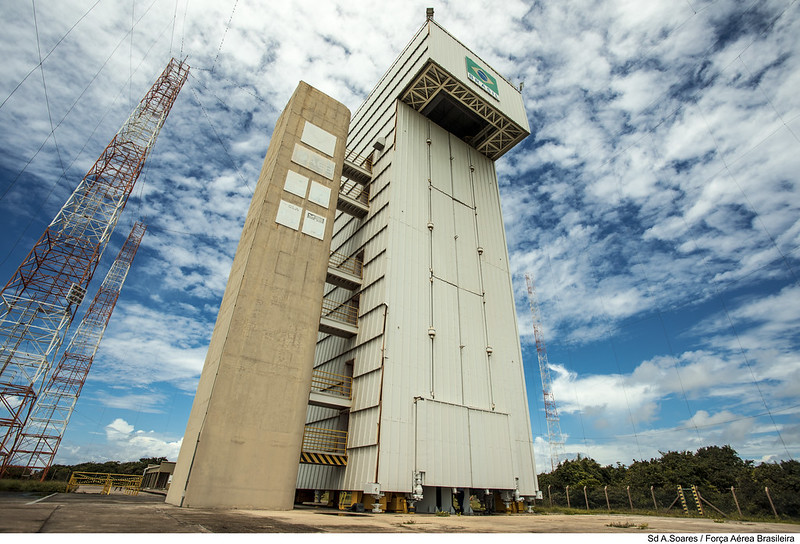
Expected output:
{"points": [[656, 204]]}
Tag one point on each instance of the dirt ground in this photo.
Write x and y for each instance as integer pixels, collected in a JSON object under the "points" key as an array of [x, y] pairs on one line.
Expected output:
{"points": [[144, 513]]}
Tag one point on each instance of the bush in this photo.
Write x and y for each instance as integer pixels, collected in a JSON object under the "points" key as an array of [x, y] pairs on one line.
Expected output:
{"points": [[32, 486]]}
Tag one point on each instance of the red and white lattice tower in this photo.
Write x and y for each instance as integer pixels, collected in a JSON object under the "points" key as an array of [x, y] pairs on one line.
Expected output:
{"points": [[39, 302], [37, 444], [554, 436]]}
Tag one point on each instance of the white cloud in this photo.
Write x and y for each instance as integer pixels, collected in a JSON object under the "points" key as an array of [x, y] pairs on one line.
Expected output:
{"points": [[661, 175]]}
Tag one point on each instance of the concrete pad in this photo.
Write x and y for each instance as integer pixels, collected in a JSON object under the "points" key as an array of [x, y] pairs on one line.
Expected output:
{"points": [[144, 513]]}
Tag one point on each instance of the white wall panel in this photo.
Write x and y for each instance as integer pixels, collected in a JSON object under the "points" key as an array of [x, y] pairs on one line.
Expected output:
{"points": [[375, 267], [360, 467], [363, 428], [466, 249], [506, 360], [410, 203], [526, 466], [367, 355], [396, 432], [440, 158], [443, 444], [490, 448], [319, 477], [447, 375], [443, 234], [460, 162], [488, 213], [366, 390], [474, 366]]}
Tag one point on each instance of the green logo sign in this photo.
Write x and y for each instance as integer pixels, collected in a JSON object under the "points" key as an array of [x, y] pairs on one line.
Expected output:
{"points": [[482, 77]]}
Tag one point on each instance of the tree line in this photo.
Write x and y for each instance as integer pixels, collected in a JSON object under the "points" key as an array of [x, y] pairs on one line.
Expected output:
{"points": [[62, 472], [714, 470]]}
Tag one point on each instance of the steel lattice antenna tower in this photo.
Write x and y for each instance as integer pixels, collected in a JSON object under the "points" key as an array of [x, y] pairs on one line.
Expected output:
{"points": [[554, 436], [37, 444], [39, 302]]}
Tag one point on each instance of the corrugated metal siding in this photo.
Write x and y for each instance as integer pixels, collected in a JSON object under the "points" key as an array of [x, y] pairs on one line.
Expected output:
{"points": [[453, 443], [490, 450], [320, 477], [444, 231], [443, 451], [526, 470], [460, 163], [466, 246], [363, 428], [361, 464], [366, 390], [447, 375], [473, 355], [381, 99], [488, 213], [450, 54], [411, 206]]}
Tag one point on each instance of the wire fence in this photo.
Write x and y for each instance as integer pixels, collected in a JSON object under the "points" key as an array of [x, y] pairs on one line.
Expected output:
{"points": [[733, 503]]}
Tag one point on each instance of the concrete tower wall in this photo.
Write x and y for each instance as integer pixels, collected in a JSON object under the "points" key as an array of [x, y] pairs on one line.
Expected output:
{"points": [[243, 438]]}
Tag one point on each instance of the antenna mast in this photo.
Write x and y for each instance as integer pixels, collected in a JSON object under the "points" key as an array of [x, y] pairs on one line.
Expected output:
{"points": [[37, 444], [39, 302], [554, 436]]}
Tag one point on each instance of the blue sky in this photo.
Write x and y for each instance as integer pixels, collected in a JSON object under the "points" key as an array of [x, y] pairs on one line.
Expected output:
{"points": [[656, 204]]}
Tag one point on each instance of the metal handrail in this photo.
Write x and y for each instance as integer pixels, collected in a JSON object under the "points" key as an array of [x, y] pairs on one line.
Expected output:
{"points": [[344, 312], [352, 265], [355, 191], [358, 160], [332, 384], [324, 440]]}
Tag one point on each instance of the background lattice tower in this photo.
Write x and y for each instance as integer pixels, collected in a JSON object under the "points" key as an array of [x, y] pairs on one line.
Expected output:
{"points": [[37, 444], [554, 436], [39, 302]]}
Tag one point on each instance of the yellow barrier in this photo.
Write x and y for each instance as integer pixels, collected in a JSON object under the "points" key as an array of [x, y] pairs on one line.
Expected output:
{"points": [[128, 483]]}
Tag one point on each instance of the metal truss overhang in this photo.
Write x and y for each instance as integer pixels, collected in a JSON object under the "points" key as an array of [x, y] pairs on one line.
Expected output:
{"points": [[448, 102]]}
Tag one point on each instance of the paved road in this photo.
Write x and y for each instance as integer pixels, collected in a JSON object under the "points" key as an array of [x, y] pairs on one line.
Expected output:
{"points": [[145, 513]]}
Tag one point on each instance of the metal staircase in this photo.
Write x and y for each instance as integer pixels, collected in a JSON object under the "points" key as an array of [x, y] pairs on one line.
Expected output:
{"points": [[323, 446]]}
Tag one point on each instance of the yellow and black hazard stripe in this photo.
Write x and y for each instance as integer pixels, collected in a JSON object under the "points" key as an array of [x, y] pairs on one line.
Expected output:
{"points": [[323, 459]]}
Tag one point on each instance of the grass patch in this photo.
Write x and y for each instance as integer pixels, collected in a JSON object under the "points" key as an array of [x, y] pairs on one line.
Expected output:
{"points": [[673, 513], [32, 486], [627, 525]]}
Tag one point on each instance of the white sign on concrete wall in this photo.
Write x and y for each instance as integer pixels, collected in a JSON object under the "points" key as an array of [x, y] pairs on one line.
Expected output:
{"points": [[313, 161], [289, 215], [318, 138], [296, 184], [320, 194], [314, 225]]}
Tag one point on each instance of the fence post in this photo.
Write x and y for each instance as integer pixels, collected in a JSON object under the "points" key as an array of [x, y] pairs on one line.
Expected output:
{"points": [[736, 501], [605, 491], [568, 505], [586, 498], [628, 488], [766, 490], [549, 497], [653, 494]]}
